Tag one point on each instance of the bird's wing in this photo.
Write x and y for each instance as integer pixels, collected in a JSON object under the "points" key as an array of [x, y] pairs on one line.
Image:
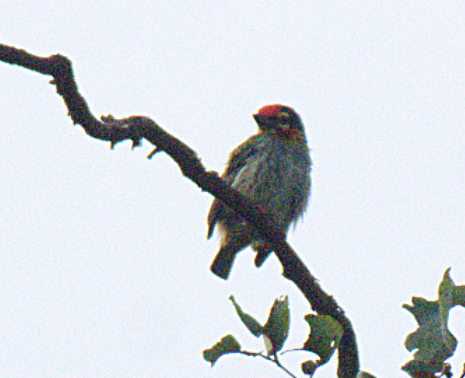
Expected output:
{"points": [[237, 160], [240, 156], [216, 209]]}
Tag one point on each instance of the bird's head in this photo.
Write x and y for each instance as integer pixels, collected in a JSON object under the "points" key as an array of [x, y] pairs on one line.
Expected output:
{"points": [[279, 119]]}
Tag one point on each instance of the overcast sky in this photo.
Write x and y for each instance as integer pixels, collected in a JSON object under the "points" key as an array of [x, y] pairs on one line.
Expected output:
{"points": [[104, 263]]}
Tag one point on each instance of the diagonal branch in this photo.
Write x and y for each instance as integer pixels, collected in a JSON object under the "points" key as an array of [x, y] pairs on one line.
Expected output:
{"points": [[137, 127]]}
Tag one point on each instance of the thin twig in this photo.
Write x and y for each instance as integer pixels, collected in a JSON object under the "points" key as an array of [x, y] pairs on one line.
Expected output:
{"points": [[274, 360]]}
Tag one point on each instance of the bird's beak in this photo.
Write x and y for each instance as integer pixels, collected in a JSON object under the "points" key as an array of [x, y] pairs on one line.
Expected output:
{"points": [[273, 124], [266, 123]]}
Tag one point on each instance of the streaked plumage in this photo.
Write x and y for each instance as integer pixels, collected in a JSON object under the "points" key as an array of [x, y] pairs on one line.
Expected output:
{"points": [[273, 169]]}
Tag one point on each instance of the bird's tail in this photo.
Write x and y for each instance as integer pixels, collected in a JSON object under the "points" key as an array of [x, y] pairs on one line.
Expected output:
{"points": [[224, 261]]}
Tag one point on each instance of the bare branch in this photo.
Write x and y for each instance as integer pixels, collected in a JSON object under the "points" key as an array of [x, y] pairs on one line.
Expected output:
{"points": [[136, 128]]}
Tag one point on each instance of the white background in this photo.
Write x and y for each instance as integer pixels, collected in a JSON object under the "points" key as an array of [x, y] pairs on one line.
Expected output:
{"points": [[104, 264]]}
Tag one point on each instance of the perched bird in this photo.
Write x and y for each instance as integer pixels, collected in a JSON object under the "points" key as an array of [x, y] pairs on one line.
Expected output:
{"points": [[271, 168]]}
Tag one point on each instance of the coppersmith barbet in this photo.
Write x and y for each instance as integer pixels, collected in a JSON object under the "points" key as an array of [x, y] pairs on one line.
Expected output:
{"points": [[272, 168]]}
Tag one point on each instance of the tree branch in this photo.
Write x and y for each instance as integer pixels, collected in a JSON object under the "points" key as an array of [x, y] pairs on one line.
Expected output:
{"points": [[136, 128]]}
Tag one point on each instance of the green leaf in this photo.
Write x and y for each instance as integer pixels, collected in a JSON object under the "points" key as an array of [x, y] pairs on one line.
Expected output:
{"points": [[364, 374], [325, 335], [459, 296], [419, 369], [446, 292], [432, 341], [309, 367], [268, 345], [228, 344], [252, 325], [277, 325], [446, 296]]}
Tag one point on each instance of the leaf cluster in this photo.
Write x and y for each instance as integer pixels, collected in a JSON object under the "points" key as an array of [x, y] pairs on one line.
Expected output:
{"points": [[432, 342], [324, 336]]}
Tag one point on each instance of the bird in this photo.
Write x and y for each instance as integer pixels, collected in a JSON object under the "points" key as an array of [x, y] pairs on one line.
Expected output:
{"points": [[271, 168]]}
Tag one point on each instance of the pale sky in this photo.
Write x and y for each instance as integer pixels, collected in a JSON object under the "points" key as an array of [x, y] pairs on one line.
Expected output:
{"points": [[104, 263]]}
